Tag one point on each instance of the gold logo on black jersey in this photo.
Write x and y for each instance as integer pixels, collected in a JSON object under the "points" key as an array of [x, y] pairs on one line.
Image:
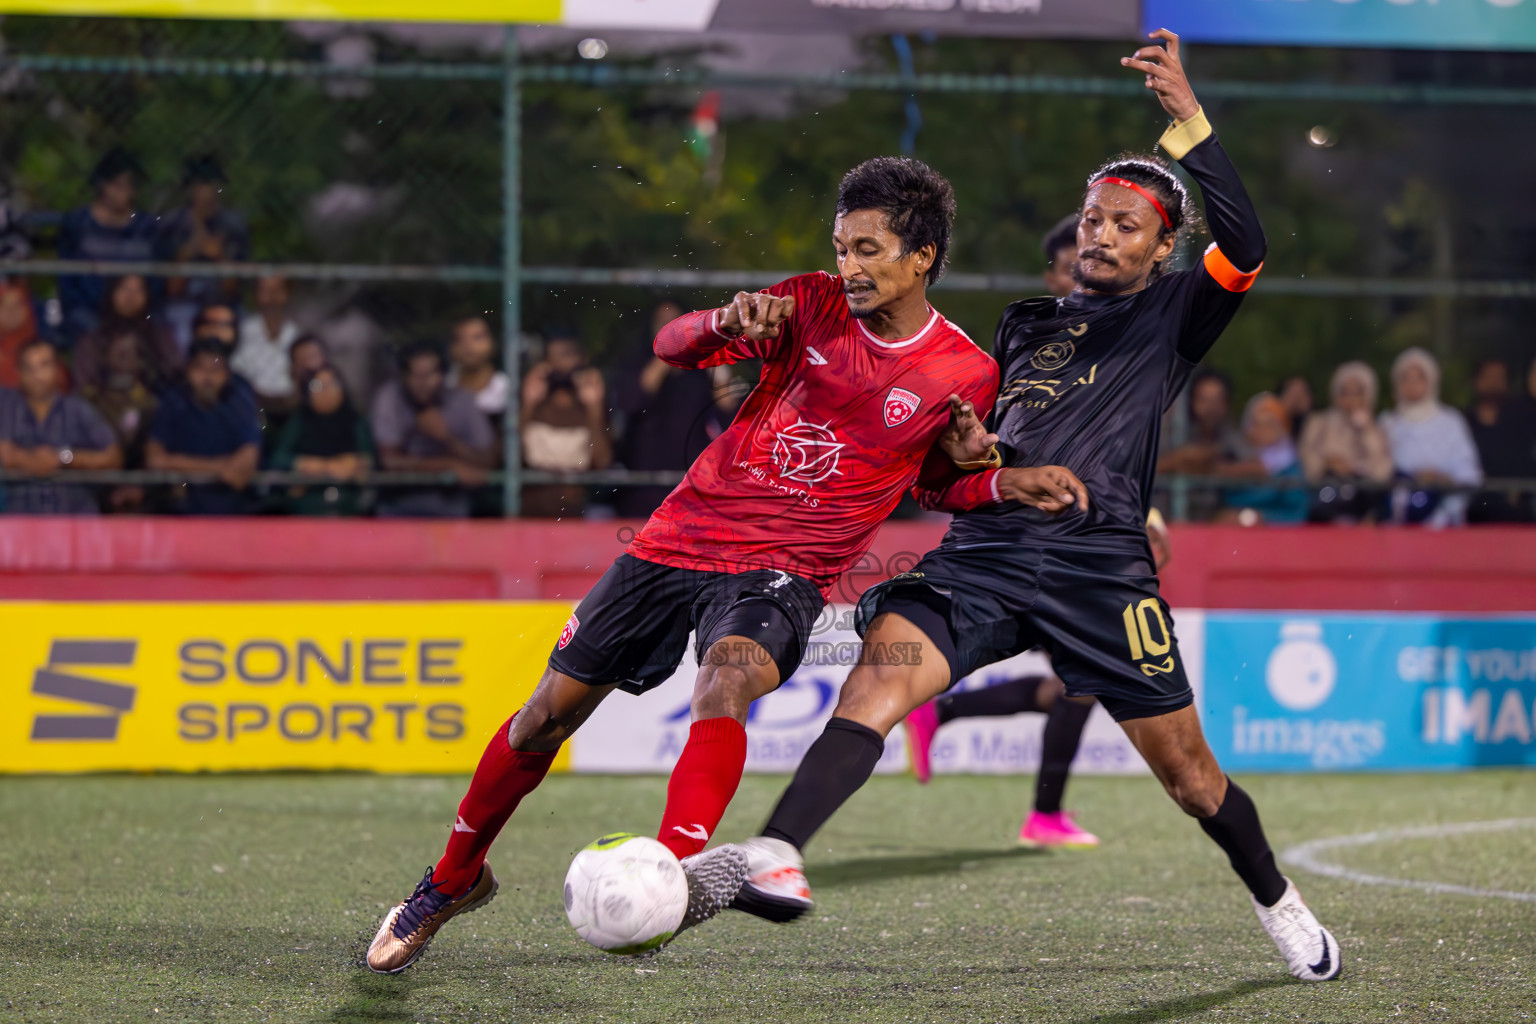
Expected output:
{"points": [[1078, 331], [1053, 355]]}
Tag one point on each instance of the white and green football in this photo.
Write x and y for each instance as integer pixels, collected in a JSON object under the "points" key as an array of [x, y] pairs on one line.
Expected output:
{"points": [[626, 894]]}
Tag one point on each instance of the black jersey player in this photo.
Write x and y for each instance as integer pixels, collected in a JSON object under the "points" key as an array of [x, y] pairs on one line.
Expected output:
{"points": [[1048, 825], [1085, 382]]}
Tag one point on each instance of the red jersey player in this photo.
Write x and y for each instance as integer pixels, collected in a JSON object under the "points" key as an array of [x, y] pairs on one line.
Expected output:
{"points": [[861, 393]]}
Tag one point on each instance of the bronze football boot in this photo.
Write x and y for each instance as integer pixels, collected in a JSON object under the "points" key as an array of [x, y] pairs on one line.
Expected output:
{"points": [[408, 929]]}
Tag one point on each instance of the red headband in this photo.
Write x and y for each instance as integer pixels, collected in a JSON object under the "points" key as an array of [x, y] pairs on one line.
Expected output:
{"points": [[1148, 196]]}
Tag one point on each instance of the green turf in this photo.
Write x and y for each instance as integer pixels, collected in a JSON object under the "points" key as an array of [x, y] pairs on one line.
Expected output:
{"points": [[247, 898]]}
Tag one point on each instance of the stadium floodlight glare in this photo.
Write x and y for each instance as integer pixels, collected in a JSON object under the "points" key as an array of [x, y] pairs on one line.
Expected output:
{"points": [[1320, 137], [592, 48]]}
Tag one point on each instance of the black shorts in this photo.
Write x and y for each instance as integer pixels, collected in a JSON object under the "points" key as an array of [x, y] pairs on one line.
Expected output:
{"points": [[1097, 614], [632, 627]]}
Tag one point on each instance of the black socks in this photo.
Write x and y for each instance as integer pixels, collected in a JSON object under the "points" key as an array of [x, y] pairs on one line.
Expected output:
{"points": [[1011, 698], [1236, 829], [1064, 725], [838, 763]]}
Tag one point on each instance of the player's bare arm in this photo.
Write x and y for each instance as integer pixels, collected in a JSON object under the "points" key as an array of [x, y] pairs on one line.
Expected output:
{"points": [[755, 315]]}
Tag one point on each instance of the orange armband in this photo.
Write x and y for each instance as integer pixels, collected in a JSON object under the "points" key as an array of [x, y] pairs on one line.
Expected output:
{"points": [[1226, 275]]}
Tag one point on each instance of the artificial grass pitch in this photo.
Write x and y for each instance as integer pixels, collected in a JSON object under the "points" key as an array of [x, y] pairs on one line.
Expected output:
{"points": [[251, 898]]}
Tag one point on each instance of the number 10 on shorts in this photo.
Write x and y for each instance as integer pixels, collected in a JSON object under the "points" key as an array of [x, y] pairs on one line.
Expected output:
{"points": [[1139, 632]]}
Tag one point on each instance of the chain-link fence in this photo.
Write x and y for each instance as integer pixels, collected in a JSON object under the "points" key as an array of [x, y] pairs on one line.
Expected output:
{"points": [[402, 179]]}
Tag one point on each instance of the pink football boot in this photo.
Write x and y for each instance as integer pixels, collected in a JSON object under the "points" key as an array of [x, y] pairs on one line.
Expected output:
{"points": [[921, 725], [1049, 831]]}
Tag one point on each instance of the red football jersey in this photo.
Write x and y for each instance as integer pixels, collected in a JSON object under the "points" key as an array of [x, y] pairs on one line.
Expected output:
{"points": [[837, 428]]}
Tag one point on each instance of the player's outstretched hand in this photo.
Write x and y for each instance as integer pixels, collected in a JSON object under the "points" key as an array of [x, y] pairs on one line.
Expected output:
{"points": [[756, 315], [966, 440], [1052, 489], [1165, 75]]}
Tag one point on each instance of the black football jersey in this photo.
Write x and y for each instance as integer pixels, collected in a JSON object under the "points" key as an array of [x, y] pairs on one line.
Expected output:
{"points": [[1086, 379]]}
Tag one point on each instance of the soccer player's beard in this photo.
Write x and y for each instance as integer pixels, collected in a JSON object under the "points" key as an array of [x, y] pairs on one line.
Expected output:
{"points": [[1103, 281], [861, 312]]}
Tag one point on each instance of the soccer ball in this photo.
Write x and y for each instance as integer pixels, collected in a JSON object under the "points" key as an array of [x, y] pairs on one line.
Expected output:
{"points": [[626, 894]]}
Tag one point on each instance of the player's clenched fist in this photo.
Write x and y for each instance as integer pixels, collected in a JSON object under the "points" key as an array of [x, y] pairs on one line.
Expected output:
{"points": [[755, 315], [1050, 489]]}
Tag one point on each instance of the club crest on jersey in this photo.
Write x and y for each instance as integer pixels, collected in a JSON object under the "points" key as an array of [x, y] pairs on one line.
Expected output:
{"points": [[806, 452], [900, 404], [571, 625], [1053, 355]]}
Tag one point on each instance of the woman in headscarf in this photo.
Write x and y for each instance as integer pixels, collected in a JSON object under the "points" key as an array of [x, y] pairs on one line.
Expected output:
{"points": [[326, 438], [1343, 441], [1430, 443]]}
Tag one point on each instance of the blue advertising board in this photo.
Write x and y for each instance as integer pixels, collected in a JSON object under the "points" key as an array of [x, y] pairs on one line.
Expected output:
{"points": [[1341, 692], [1420, 24]]}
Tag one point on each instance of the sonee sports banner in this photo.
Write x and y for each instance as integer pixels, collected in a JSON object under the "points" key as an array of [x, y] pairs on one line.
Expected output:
{"points": [[190, 687]]}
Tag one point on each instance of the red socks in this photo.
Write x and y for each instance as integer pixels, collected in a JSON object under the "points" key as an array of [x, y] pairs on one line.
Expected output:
{"points": [[701, 787], [502, 779], [702, 784]]}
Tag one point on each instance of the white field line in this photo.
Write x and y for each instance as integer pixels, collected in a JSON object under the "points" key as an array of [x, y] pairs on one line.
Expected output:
{"points": [[1309, 856]]}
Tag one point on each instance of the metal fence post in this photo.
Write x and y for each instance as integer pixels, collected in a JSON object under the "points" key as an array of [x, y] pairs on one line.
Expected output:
{"points": [[511, 269]]}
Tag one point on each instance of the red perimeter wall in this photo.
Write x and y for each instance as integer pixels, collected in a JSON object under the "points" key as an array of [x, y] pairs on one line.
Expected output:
{"points": [[165, 559]]}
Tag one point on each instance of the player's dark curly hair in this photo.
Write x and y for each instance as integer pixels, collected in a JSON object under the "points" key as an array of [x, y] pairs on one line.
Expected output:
{"points": [[918, 203], [1153, 174]]}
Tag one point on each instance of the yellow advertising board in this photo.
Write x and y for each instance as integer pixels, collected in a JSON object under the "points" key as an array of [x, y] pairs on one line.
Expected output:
{"points": [[313, 10], [192, 687]]}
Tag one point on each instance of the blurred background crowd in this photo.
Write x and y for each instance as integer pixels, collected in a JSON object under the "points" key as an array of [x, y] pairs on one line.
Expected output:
{"points": [[207, 375]]}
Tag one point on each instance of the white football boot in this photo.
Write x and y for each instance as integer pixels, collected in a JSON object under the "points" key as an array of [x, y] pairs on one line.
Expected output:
{"points": [[1310, 950], [775, 889], [714, 878]]}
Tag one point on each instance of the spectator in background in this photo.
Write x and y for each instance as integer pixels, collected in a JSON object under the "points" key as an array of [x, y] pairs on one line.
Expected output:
{"points": [[473, 352], [423, 426], [1344, 444], [18, 327], [44, 431], [208, 425], [265, 337], [670, 416], [1431, 446], [1214, 440], [127, 313], [216, 325], [306, 356], [1504, 431], [123, 389], [126, 397], [1267, 431], [325, 437], [202, 231], [1060, 255], [1295, 393], [564, 427], [109, 227]]}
